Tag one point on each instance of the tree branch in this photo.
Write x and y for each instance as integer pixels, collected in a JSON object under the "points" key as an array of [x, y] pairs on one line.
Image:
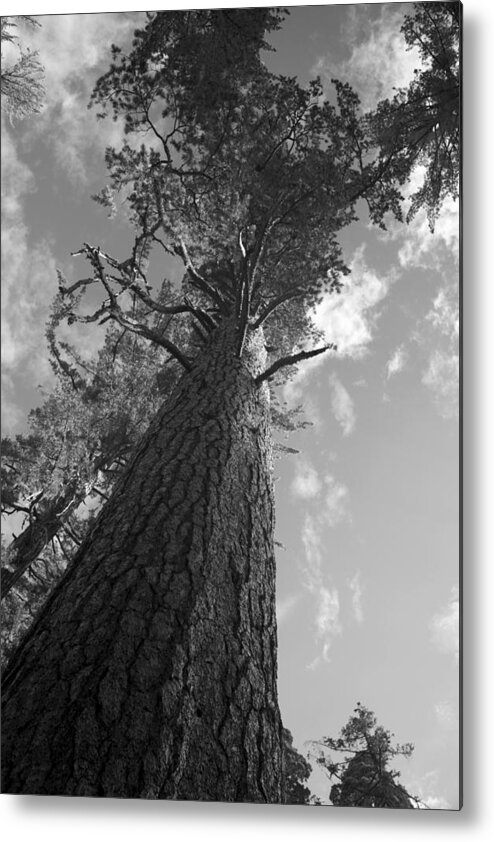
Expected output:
{"points": [[291, 360]]}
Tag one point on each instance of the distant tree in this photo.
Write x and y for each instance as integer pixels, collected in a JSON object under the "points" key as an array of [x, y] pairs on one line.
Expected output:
{"points": [[296, 771], [363, 777], [21, 82], [421, 124], [80, 440]]}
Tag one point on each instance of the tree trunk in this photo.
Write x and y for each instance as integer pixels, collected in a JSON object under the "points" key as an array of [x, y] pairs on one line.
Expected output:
{"points": [[151, 671]]}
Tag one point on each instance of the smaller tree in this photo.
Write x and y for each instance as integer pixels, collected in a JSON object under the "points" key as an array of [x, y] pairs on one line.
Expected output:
{"points": [[296, 771], [363, 778], [21, 82]]}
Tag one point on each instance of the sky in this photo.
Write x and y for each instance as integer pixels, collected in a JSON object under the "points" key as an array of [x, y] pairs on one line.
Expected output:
{"points": [[367, 511]]}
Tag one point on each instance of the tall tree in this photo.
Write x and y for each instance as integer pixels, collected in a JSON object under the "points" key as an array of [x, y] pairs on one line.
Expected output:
{"points": [[151, 670], [363, 777], [21, 81]]}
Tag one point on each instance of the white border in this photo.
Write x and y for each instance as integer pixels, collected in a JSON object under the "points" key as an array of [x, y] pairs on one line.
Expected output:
{"points": [[49, 818]]}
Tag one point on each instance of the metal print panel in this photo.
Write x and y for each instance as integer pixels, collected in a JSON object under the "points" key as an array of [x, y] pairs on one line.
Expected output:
{"points": [[231, 288]]}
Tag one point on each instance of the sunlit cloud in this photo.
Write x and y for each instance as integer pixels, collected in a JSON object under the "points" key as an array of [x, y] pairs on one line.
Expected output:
{"points": [[349, 319], [447, 715], [439, 331], [342, 405], [326, 598], [284, 607], [426, 789], [355, 587], [444, 627], [336, 502], [74, 51], [379, 60], [396, 362], [306, 482], [28, 274]]}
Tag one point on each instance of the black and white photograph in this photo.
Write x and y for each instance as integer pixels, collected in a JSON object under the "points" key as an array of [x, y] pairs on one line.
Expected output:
{"points": [[231, 405]]}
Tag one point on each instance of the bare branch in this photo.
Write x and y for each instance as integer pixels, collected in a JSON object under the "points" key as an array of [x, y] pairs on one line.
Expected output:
{"points": [[291, 360]]}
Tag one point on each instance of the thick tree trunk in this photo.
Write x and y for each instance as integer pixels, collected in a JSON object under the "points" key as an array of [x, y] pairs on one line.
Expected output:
{"points": [[151, 672]]}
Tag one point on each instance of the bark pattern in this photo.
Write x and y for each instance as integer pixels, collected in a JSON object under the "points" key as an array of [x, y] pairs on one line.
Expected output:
{"points": [[151, 671]]}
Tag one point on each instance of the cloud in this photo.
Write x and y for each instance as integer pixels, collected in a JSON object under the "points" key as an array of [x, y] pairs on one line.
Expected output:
{"points": [[397, 362], [342, 405], [426, 249], [75, 51], [306, 483], [444, 627], [356, 593], [439, 330], [379, 60], [447, 715], [326, 597], [336, 499], [28, 274], [349, 319], [437, 333], [285, 607]]}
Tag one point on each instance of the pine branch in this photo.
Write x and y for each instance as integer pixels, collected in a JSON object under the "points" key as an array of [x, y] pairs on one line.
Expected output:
{"points": [[291, 360]]}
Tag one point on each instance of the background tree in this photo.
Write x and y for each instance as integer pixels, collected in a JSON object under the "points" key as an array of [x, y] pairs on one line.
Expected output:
{"points": [[296, 771], [154, 659], [80, 439], [421, 124], [363, 777], [21, 82]]}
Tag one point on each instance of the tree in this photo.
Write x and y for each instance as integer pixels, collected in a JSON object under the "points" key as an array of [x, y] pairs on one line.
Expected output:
{"points": [[21, 83], [421, 124], [151, 670], [80, 439], [296, 771], [364, 779]]}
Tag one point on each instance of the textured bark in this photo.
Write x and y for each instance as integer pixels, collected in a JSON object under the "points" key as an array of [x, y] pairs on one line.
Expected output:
{"points": [[151, 672]]}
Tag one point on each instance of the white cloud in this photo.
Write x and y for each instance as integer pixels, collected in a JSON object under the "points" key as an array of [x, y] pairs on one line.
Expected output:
{"points": [[397, 362], [447, 715], [356, 594], [426, 249], [439, 331], [349, 319], [306, 483], [441, 376], [326, 598], [342, 405], [336, 500], [285, 607], [74, 50], [379, 60], [28, 275], [444, 627]]}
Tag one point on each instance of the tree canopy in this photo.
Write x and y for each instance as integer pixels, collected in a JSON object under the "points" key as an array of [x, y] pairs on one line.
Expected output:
{"points": [[363, 777], [420, 124], [21, 81]]}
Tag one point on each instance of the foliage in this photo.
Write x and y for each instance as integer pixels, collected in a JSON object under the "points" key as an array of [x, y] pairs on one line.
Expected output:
{"points": [[421, 124], [21, 83], [363, 778], [296, 772]]}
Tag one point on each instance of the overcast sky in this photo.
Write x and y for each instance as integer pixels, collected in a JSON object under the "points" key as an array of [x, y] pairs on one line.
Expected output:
{"points": [[367, 512]]}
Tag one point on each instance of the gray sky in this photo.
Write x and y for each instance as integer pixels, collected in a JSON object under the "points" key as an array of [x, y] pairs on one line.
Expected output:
{"points": [[368, 510]]}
